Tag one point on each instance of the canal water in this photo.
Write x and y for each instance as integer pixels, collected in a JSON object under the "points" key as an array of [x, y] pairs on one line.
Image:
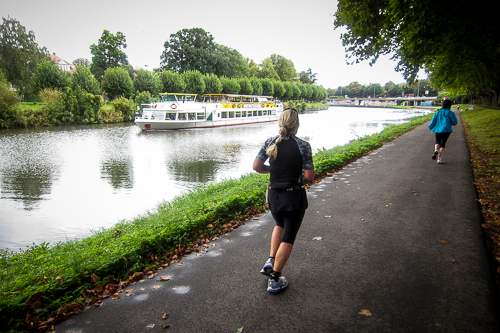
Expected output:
{"points": [[66, 182]]}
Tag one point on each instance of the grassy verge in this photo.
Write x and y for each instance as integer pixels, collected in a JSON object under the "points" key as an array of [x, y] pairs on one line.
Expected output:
{"points": [[482, 129], [44, 285]]}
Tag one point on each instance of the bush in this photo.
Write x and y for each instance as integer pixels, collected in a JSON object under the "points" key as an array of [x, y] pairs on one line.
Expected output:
{"points": [[212, 84], [52, 111], [230, 86], [172, 82], [246, 86], [195, 84], [125, 107], [117, 82], [10, 110]]}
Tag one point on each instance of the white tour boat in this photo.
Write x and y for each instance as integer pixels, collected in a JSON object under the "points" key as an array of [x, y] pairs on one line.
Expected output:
{"points": [[180, 111]]}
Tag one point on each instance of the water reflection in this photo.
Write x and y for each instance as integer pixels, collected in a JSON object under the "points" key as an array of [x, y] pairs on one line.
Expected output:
{"points": [[59, 183]]}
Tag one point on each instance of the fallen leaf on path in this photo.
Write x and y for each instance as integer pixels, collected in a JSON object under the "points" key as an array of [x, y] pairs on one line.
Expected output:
{"points": [[318, 238], [150, 326], [365, 313], [115, 296], [165, 326], [442, 241], [165, 277], [455, 261], [165, 316], [156, 287]]}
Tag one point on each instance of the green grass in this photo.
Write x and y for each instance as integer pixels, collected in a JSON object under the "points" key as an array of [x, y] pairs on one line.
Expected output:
{"points": [[64, 271]]}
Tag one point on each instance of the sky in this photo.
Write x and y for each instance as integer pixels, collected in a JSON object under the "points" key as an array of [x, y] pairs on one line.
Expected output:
{"points": [[301, 31]]}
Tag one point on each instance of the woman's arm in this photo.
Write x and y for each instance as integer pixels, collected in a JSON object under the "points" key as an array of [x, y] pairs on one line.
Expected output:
{"points": [[260, 167]]}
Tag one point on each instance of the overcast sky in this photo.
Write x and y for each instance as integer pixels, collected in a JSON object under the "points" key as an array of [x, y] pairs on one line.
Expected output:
{"points": [[301, 31]]}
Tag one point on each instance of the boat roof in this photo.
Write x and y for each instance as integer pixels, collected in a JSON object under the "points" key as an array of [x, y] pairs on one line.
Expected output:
{"points": [[183, 94], [237, 95]]}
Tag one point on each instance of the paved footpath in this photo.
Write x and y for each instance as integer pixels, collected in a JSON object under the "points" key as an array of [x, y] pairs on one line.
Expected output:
{"points": [[381, 219]]}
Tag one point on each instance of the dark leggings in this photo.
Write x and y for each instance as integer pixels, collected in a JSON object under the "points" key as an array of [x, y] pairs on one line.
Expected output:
{"points": [[290, 222], [441, 139]]}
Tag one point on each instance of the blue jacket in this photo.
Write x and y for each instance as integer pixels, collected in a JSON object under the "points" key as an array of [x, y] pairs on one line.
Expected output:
{"points": [[442, 121]]}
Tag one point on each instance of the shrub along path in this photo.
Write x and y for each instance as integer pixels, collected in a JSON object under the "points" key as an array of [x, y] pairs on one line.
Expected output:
{"points": [[392, 243]]}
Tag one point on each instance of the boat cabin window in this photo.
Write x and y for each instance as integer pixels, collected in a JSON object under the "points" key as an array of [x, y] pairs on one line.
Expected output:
{"points": [[224, 114], [249, 113], [191, 116], [168, 98], [238, 114], [264, 112], [273, 112], [181, 116], [260, 112], [255, 113], [244, 114], [200, 116], [231, 114], [170, 115], [190, 98]]}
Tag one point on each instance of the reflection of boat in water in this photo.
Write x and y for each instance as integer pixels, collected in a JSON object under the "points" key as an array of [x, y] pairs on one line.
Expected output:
{"points": [[178, 111]]}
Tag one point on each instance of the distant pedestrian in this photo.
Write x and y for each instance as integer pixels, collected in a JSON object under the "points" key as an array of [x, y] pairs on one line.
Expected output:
{"points": [[288, 156], [441, 125]]}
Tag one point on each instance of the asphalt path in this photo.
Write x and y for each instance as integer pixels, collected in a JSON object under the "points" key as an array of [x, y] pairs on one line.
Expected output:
{"points": [[392, 243]]}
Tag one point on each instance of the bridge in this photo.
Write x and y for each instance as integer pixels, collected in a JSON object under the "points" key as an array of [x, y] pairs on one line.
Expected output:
{"points": [[381, 101]]}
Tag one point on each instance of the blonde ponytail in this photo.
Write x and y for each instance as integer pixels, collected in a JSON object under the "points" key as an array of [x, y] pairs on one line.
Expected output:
{"points": [[288, 121]]}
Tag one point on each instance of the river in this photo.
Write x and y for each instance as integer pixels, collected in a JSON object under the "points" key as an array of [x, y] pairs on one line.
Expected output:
{"points": [[66, 182]]}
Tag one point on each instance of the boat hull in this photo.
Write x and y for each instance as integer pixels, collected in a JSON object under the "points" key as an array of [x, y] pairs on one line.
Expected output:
{"points": [[152, 125]]}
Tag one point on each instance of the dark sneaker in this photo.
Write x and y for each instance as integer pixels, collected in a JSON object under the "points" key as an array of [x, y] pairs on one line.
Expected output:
{"points": [[268, 267], [435, 155], [276, 287]]}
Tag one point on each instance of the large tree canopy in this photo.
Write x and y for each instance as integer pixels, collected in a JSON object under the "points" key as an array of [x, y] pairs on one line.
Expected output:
{"points": [[107, 53], [19, 53], [189, 50], [456, 41]]}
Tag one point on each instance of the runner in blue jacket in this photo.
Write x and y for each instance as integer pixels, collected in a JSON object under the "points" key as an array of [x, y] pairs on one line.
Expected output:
{"points": [[441, 125]]}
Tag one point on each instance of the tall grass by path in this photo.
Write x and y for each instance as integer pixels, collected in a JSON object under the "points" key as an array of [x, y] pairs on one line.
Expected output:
{"points": [[39, 281]]}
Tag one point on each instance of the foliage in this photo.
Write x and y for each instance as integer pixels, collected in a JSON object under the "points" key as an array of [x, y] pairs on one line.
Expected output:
{"points": [[52, 110], [229, 62], [283, 67], [253, 69], [246, 87], [20, 54], [84, 79], [116, 82], [256, 86], [481, 127], [172, 82], [195, 83], [308, 77], [212, 84], [288, 91], [107, 53], [147, 81], [279, 89], [143, 97], [66, 270], [48, 75], [267, 87], [188, 50], [230, 85], [81, 62], [9, 106], [377, 28], [125, 108], [267, 71]]}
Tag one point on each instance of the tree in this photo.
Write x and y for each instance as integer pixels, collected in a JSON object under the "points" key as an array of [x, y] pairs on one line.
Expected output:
{"points": [[256, 85], [189, 49], [212, 84], [81, 62], [107, 53], [230, 85], [288, 95], [402, 29], [245, 86], [229, 62], [20, 54], [9, 105], [172, 82], [283, 67], [195, 84], [84, 79], [116, 82], [147, 81], [308, 76], [279, 89], [267, 87], [253, 69], [267, 70], [48, 75]]}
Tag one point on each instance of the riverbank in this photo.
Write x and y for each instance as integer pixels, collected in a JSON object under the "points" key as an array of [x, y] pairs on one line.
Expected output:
{"points": [[63, 272]]}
